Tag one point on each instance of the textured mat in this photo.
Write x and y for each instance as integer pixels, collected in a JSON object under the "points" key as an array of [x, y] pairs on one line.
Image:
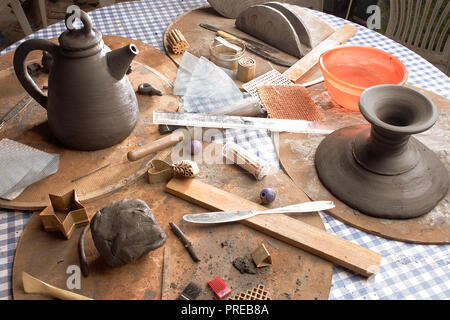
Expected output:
{"points": [[289, 102]]}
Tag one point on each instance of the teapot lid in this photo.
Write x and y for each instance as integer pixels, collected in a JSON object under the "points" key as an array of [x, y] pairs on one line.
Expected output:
{"points": [[79, 39]]}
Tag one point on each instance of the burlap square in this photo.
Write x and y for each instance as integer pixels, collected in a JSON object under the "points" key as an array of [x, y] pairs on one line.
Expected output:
{"points": [[289, 102]]}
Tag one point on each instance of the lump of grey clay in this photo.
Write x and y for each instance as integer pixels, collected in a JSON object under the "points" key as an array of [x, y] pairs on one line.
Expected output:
{"points": [[125, 230], [244, 265]]}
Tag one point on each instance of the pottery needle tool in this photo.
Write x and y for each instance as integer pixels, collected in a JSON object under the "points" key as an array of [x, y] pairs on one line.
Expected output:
{"points": [[92, 171], [165, 274], [34, 285], [15, 110], [184, 240]]}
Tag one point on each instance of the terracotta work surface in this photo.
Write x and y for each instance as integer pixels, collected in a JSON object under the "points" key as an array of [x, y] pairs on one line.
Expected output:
{"points": [[297, 159], [295, 274], [31, 128], [200, 39]]}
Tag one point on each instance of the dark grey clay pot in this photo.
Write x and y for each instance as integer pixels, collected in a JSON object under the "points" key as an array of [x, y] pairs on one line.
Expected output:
{"points": [[91, 104], [379, 169]]}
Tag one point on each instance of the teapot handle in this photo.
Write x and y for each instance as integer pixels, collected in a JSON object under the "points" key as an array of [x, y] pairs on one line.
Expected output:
{"points": [[84, 17], [20, 66]]}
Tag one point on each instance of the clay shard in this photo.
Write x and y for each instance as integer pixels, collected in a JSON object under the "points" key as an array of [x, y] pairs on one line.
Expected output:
{"points": [[270, 25], [125, 230]]}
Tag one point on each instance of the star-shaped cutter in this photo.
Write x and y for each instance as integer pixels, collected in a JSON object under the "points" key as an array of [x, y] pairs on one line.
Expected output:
{"points": [[64, 214]]}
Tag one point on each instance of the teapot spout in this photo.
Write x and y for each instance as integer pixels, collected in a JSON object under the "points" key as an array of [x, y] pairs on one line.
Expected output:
{"points": [[120, 59]]}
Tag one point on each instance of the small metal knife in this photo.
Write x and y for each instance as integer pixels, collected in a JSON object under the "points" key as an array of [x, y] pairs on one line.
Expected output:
{"points": [[237, 215], [255, 43], [268, 56]]}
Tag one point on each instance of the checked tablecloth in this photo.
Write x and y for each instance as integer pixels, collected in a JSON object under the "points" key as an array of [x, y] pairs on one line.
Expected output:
{"points": [[407, 271]]}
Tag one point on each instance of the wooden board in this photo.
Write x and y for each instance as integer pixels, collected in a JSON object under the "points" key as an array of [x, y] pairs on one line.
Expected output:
{"points": [[300, 70], [299, 234], [31, 128], [296, 153], [200, 39], [295, 274]]}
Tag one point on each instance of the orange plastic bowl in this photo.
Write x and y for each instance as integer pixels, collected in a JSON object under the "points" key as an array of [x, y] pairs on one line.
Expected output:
{"points": [[349, 70]]}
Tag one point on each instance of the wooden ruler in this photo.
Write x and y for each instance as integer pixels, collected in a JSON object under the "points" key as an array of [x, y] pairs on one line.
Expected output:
{"points": [[302, 66], [297, 233]]}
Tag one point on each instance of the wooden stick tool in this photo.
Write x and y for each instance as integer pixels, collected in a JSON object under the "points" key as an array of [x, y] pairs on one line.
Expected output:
{"points": [[184, 240], [168, 141]]}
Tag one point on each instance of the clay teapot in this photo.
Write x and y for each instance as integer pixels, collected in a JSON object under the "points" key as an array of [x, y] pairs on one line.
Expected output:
{"points": [[91, 104]]}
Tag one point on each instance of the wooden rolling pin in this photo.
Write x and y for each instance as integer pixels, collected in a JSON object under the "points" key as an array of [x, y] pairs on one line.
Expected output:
{"points": [[33, 285], [168, 141]]}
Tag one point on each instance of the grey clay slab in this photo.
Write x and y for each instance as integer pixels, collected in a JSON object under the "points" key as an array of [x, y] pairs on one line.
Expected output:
{"points": [[232, 8], [270, 25], [297, 23]]}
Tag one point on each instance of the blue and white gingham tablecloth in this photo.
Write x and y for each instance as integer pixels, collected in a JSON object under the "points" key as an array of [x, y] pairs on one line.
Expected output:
{"points": [[407, 271]]}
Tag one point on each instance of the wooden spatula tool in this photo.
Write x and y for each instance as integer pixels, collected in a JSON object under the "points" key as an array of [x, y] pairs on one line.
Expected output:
{"points": [[33, 285]]}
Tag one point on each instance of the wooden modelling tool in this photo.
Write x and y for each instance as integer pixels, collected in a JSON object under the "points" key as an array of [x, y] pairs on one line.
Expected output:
{"points": [[302, 66], [34, 285], [177, 42], [297, 233]]}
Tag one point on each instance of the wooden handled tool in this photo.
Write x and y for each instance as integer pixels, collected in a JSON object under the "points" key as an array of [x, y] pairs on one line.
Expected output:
{"points": [[157, 145], [33, 285], [306, 63], [225, 35]]}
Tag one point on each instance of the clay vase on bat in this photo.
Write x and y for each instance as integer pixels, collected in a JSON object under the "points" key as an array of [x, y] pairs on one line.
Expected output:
{"points": [[379, 168], [91, 104]]}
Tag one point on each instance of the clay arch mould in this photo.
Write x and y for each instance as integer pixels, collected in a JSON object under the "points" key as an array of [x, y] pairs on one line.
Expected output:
{"points": [[379, 168]]}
